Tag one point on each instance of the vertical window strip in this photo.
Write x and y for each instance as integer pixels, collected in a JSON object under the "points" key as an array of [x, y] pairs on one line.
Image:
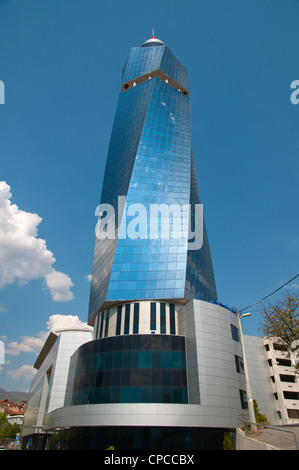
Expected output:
{"points": [[96, 327], [102, 324], [153, 316], [118, 321], [162, 318], [107, 322], [127, 319], [99, 323], [172, 319], [136, 319]]}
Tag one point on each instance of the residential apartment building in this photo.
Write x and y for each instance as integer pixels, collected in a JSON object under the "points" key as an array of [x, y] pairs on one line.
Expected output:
{"points": [[284, 378], [274, 379]]}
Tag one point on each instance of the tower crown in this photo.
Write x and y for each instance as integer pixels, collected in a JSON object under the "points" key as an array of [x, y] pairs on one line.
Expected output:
{"points": [[153, 41], [146, 62]]}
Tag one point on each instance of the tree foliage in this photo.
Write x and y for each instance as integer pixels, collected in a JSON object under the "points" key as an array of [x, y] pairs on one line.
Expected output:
{"points": [[8, 430], [281, 320], [259, 417], [227, 442]]}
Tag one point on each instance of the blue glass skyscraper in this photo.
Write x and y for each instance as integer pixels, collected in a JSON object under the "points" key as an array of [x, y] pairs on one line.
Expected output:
{"points": [[150, 161], [163, 368], [142, 277]]}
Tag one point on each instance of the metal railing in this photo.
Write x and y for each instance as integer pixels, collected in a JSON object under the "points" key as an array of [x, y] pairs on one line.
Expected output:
{"points": [[269, 427]]}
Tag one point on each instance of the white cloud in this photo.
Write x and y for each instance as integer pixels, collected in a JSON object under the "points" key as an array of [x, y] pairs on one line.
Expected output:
{"points": [[26, 371], [28, 344], [59, 285], [24, 256], [34, 344], [88, 277], [57, 322], [292, 286]]}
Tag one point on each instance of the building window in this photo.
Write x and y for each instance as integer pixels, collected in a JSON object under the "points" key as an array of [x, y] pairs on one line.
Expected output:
{"points": [[136, 319], [127, 319], [283, 362], [97, 327], [153, 316], [287, 378], [291, 395], [293, 414], [280, 347], [118, 320], [162, 318], [235, 333], [102, 324], [172, 319], [48, 383], [239, 364], [107, 322], [243, 398]]}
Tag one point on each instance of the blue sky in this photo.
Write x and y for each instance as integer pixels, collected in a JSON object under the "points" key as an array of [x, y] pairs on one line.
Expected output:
{"points": [[61, 64]]}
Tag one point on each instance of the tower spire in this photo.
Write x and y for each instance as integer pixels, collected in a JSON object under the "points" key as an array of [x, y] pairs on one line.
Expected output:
{"points": [[153, 40]]}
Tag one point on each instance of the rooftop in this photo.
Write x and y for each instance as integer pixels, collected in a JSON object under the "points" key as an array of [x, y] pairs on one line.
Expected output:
{"points": [[153, 41]]}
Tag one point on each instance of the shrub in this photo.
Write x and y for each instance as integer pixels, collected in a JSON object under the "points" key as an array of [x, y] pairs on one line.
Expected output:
{"points": [[227, 442], [259, 417]]}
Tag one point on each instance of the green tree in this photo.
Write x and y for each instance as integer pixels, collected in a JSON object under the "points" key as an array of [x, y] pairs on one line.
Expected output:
{"points": [[281, 320], [13, 430], [2, 418], [259, 417], [8, 430]]}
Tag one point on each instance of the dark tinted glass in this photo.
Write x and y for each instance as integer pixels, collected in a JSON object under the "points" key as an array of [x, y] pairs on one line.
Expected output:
{"points": [[132, 369]]}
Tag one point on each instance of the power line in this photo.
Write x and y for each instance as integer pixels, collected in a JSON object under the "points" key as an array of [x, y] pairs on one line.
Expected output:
{"points": [[258, 346], [270, 294]]}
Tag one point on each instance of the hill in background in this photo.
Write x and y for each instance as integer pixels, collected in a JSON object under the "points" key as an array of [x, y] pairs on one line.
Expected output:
{"points": [[16, 397]]}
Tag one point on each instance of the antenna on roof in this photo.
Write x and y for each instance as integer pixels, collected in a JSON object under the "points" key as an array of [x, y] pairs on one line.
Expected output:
{"points": [[153, 36]]}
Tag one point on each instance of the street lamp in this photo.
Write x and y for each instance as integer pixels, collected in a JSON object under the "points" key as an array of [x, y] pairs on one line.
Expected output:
{"points": [[247, 381]]}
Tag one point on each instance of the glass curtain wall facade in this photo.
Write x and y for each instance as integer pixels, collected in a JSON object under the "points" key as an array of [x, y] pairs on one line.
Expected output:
{"points": [[132, 369], [150, 161]]}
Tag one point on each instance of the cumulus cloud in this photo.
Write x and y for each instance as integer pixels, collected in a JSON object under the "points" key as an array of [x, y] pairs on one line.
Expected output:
{"points": [[59, 285], [34, 344], [26, 371], [57, 322], [2, 309], [28, 344], [24, 256], [292, 286]]}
